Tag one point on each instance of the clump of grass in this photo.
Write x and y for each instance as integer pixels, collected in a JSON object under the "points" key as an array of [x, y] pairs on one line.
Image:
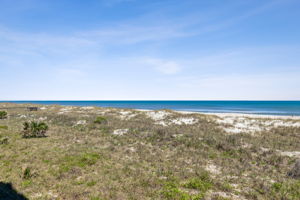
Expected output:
{"points": [[4, 140], [171, 191], [3, 127], [201, 183], [95, 198], [26, 183], [286, 190], [27, 173], [221, 198], [100, 120], [82, 160], [174, 190], [141, 164], [3, 114], [226, 187], [91, 183], [198, 184], [34, 129]]}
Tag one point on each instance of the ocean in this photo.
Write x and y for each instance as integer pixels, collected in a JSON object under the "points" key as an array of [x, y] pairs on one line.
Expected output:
{"points": [[245, 107]]}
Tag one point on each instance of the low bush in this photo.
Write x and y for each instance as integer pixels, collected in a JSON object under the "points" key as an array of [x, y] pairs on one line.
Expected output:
{"points": [[34, 129], [27, 173], [82, 160], [202, 183], [4, 140], [286, 190], [100, 120], [3, 127], [172, 191], [3, 114]]}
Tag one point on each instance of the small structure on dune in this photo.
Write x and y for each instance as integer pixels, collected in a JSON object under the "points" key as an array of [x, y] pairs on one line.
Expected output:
{"points": [[28, 108], [32, 108]]}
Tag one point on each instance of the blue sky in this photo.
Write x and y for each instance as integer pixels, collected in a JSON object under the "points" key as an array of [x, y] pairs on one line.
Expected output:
{"points": [[149, 49]]}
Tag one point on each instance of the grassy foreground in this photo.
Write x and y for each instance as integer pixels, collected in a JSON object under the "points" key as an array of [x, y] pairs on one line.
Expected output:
{"points": [[106, 153]]}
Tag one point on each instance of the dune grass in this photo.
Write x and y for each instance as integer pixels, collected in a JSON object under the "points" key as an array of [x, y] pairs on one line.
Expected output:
{"points": [[81, 159]]}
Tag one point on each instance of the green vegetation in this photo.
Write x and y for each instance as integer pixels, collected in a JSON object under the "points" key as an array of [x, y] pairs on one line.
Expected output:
{"points": [[27, 174], [3, 114], [100, 120], [202, 183], [3, 140], [34, 129], [3, 127], [91, 183], [286, 190], [172, 192], [83, 158]]}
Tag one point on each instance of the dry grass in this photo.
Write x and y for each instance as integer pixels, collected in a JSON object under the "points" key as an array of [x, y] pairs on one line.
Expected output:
{"points": [[156, 158]]}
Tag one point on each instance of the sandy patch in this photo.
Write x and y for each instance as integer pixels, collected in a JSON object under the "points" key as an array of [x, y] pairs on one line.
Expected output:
{"points": [[290, 153], [236, 124], [257, 116], [126, 115], [178, 121], [186, 121], [283, 153], [65, 110], [87, 108], [227, 195], [42, 118], [213, 169], [81, 122], [52, 194], [120, 131], [157, 115], [278, 123]]}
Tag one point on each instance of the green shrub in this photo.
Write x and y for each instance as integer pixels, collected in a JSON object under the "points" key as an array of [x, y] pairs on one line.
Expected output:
{"points": [[27, 174], [100, 120], [202, 183], [82, 160], [3, 127], [198, 184], [286, 190], [226, 187], [3, 114], [34, 129], [171, 191], [4, 140], [95, 198], [91, 183], [26, 183]]}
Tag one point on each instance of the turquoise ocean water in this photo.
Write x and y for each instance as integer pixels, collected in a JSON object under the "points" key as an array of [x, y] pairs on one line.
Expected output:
{"points": [[247, 107]]}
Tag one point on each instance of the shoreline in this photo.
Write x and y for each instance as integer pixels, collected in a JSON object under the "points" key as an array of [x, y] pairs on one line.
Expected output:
{"points": [[250, 115], [261, 116], [246, 115]]}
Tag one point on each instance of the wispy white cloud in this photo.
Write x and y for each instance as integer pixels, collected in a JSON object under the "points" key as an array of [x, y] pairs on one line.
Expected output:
{"points": [[131, 31], [239, 86], [129, 55], [132, 34], [164, 66]]}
